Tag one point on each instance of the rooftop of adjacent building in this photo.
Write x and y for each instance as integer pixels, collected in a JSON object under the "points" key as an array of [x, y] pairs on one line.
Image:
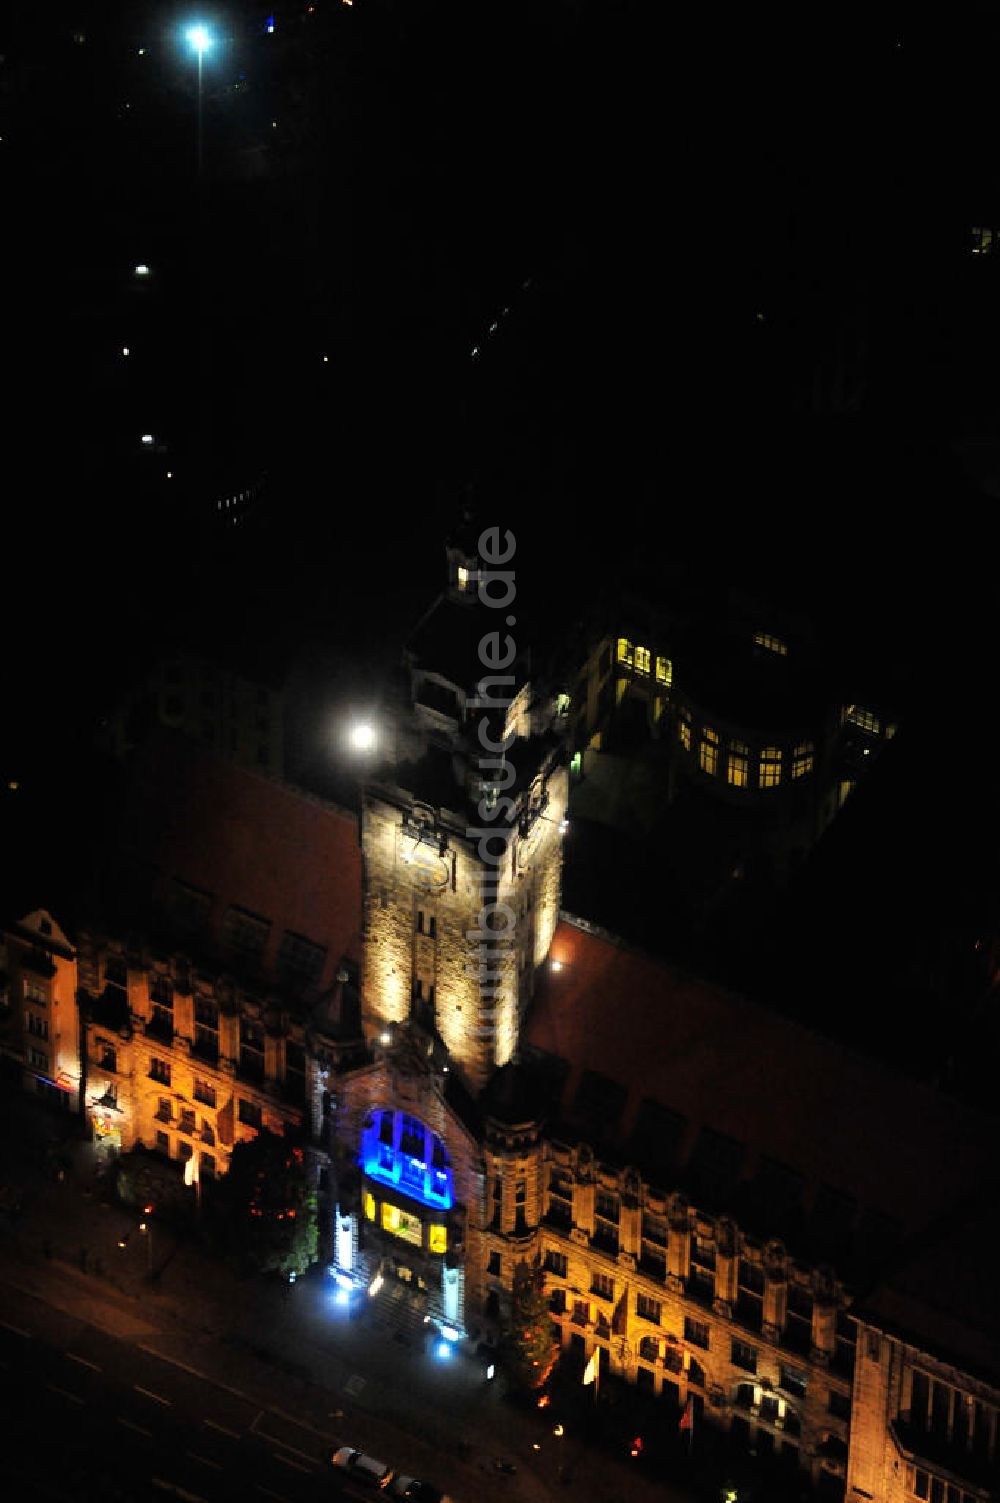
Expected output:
{"points": [[795, 1135], [183, 821]]}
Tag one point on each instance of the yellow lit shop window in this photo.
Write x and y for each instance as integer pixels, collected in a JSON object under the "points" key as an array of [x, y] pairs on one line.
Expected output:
{"points": [[802, 759], [401, 1225], [684, 729], [369, 1205], [664, 671], [708, 751], [437, 1238], [769, 767], [642, 660], [738, 764], [625, 651]]}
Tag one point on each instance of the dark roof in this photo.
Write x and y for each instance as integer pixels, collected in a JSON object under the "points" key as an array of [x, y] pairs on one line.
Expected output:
{"points": [[746, 1110], [190, 824], [943, 1292], [447, 641]]}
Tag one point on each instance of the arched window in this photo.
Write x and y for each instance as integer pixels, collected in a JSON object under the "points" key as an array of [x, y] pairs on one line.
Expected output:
{"points": [[400, 1151]]}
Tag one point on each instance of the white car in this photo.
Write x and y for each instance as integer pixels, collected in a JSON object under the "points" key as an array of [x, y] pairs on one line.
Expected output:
{"points": [[361, 1468], [417, 1492]]}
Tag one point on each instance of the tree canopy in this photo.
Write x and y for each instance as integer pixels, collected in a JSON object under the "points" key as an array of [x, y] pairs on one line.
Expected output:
{"points": [[265, 1209]]}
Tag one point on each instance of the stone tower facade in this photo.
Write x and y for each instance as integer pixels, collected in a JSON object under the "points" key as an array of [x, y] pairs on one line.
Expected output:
{"points": [[462, 850]]}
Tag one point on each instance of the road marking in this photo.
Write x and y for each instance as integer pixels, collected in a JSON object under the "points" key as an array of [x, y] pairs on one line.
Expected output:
{"points": [[287, 1461], [139, 1429], [214, 1425], [83, 1361], [150, 1395], [300, 1424], [277, 1441], [269, 1494], [16, 1329], [73, 1398], [195, 1372], [205, 1461]]}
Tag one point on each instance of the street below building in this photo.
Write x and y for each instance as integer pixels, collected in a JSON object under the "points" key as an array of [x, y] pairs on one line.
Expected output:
{"points": [[193, 1379]]}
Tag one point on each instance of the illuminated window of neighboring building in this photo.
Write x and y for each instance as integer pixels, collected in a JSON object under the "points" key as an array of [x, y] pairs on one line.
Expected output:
{"points": [[684, 728], [664, 671], [890, 731], [844, 791], [708, 751], [437, 1239], [625, 651], [36, 1026], [865, 720], [738, 764], [802, 759], [642, 660], [463, 577], [985, 240], [369, 1205], [769, 767], [770, 643]]}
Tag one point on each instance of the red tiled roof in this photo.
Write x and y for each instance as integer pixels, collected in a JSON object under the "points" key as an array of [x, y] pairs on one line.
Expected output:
{"points": [[724, 1063], [250, 842]]}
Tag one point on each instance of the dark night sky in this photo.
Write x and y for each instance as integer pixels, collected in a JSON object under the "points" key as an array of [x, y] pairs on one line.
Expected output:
{"points": [[635, 188]]}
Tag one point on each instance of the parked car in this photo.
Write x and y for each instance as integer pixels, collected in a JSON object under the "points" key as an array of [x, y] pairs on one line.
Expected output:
{"points": [[416, 1491], [361, 1468]]}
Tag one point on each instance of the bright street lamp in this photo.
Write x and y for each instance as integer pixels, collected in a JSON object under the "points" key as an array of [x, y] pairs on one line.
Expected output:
{"points": [[362, 736], [200, 38]]}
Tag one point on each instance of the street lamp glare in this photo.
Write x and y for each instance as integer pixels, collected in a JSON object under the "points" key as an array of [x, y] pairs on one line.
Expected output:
{"points": [[362, 737], [200, 38]]}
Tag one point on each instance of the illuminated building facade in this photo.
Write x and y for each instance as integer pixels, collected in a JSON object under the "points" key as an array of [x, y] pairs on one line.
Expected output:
{"points": [[744, 704], [39, 1025]]}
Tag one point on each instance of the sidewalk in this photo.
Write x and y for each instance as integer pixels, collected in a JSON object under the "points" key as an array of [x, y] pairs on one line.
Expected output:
{"points": [[360, 1375]]}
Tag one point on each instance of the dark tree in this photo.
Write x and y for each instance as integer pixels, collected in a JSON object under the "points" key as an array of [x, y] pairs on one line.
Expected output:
{"points": [[264, 1215], [530, 1344]]}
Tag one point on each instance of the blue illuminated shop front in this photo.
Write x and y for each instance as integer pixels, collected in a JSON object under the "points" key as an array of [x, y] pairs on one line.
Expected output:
{"points": [[407, 1194]]}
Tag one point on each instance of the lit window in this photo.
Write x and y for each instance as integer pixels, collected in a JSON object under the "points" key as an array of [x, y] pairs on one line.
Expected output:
{"points": [[664, 671], [369, 1205], [642, 660], [437, 1239], [802, 759], [625, 651], [463, 577], [684, 728], [738, 764], [984, 240], [770, 643], [844, 791], [400, 1224], [708, 751], [769, 767], [865, 720]]}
